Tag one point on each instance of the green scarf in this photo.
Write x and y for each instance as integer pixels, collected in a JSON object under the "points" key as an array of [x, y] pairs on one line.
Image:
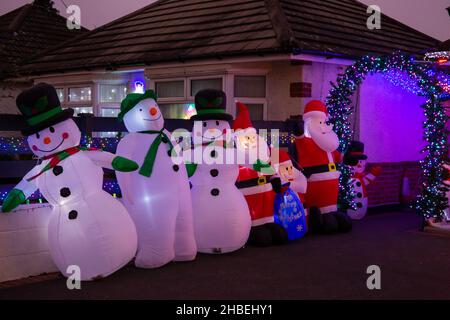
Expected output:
{"points": [[57, 158], [149, 160]]}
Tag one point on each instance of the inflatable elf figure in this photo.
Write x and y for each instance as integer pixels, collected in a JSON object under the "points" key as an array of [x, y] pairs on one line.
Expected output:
{"points": [[288, 208]]}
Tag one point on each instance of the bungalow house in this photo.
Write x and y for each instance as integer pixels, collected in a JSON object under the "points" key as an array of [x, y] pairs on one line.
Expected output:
{"points": [[273, 55], [25, 32]]}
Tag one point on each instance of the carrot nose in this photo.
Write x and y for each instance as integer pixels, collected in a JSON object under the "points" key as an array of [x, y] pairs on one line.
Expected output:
{"points": [[153, 111], [47, 140]]}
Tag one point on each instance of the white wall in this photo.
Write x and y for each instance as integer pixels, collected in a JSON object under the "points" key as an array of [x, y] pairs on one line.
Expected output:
{"points": [[390, 121], [24, 243]]}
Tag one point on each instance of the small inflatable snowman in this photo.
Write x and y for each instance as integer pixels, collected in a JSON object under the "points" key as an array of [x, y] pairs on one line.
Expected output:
{"points": [[221, 215], [157, 196], [88, 227], [361, 179]]}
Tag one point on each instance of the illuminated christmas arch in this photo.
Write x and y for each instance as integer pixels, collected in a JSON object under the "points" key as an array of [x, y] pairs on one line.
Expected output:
{"points": [[432, 200]]}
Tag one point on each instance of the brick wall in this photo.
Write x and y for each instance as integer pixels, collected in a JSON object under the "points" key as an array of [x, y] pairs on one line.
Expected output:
{"points": [[23, 243], [387, 188]]}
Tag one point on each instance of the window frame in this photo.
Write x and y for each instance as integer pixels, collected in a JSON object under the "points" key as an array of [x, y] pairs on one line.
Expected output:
{"points": [[81, 102], [189, 85], [170, 99], [249, 100]]}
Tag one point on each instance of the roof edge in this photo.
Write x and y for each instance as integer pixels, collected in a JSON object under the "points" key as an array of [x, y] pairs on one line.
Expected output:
{"points": [[17, 21]]}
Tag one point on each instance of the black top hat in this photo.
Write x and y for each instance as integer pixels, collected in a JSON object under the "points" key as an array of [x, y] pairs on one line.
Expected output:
{"points": [[210, 105], [41, 108], [355, 151]]}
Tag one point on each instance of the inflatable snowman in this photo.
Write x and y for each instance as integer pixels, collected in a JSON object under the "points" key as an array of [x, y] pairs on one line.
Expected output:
{"points": [[317, 155], [88, 227], [256, 186], [157, 196], [361, 179], [221, 215]]}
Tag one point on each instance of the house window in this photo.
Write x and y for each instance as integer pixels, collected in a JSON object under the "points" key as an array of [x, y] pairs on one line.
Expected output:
{"points": [[200, 84], [251, 90], [80, 94], [250, 86], [82, 109], [112, 93], [177, 110], [170, 89], [256, 111], [60, 92]]}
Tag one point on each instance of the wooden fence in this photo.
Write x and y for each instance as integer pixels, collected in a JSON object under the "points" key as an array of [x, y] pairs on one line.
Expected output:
{"points": [[15, 163]]}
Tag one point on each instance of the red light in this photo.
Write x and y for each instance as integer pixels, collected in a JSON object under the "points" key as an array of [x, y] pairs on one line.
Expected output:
{"points": [[442, 60]]}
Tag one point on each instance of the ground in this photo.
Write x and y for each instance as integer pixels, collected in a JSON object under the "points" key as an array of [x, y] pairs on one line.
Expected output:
{"points": [[414, 265]]}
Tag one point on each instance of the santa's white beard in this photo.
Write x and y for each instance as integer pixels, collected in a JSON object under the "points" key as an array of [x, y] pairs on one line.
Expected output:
{"points": [[327, 141]]}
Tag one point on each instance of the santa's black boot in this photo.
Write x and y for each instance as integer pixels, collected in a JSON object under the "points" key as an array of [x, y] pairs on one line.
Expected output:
{"points": [[330, 224], [344, 221], [260, 236], [279, 234], [315, 220]]}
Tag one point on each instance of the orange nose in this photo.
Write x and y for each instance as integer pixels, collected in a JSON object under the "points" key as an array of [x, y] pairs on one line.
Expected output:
{"points": [[47, 140], [153, 111]]}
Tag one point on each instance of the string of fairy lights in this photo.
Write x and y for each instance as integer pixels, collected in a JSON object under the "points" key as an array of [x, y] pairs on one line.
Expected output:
{"points": [[422, 80]]}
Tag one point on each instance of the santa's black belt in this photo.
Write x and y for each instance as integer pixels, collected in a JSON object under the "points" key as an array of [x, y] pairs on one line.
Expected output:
{"points": [[253, 182], [309, 171]]}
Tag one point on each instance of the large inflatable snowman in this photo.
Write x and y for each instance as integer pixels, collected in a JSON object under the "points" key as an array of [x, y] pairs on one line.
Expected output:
{"points": [[88, 227], [157, 196], [317, 155], [221, 215]]}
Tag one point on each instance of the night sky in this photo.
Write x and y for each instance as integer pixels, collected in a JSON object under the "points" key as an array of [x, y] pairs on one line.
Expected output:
{"points": [[428, 16]]}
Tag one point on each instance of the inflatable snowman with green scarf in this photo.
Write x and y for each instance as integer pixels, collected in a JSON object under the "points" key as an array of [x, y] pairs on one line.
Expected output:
{"points": [[158, 195], [88, 228], [221, 215]]}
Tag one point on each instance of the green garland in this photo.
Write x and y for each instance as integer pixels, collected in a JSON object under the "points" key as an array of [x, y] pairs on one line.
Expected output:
{"points": [[432, 200]]}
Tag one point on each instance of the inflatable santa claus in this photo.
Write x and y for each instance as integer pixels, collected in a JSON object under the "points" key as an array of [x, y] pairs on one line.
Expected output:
{"points": [[317, 156], [356, 158], [256, 183]]}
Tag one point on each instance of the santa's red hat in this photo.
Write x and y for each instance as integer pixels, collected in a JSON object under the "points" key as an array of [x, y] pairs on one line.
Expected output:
{"points": [[242, 120], [314, 108]]}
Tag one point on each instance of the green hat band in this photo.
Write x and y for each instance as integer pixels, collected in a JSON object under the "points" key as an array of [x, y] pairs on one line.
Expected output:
{"points": [[132, 99], [209, 111], [44, 116]]}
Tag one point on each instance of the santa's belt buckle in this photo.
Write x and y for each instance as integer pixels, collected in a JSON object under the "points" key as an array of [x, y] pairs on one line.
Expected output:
{"points": [[331, 167], [261, 181]]}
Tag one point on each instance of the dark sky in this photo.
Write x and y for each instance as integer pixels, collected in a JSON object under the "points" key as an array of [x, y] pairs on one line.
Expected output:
{"points": [[428, 16]]}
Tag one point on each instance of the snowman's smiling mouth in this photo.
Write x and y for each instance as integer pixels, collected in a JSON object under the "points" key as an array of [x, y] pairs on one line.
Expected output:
{"points": [[152, 119], [212, 138], [59, 145]]}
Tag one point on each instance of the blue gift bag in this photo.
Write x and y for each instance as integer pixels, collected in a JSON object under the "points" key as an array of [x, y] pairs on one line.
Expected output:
{"points": [[290, 214]]}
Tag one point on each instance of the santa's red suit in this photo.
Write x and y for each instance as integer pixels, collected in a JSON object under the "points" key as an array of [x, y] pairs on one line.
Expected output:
{"points": [[254, 185], [319, 168], [258, 192]]}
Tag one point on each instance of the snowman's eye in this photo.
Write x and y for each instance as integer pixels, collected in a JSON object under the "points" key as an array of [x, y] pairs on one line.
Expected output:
{"points": [[140, 109], [37, 136], [52, 130], [217, 123], [204, 124]]}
